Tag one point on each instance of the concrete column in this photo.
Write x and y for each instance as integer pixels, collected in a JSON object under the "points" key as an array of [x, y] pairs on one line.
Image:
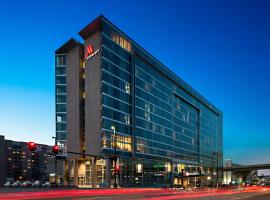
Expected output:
{"points": [[93, 172], [66, 173], [76, 164], [120, 175], [108, 172]]}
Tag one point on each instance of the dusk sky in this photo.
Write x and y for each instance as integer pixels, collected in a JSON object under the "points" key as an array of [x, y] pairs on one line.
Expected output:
{"points": [[221, 48]]}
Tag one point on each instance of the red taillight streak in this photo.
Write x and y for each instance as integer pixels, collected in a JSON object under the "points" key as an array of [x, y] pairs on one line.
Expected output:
{"points": [[140, 191]]}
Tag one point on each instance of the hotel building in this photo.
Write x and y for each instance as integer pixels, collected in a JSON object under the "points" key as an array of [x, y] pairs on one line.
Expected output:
{"points": [[110, 92]]}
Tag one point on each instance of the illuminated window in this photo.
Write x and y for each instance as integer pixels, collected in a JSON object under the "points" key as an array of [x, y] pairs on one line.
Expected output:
{"points": [[168, 167], [122, 142], [127, 119], [147, 106], [104, 142], [58, 118], [139, 168], [140, 147], [127, 87], [147, 116], [121, 41]]}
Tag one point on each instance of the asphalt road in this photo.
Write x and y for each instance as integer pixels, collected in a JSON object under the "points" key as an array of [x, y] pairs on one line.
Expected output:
{"points": [[242, 196], [136, 193]]}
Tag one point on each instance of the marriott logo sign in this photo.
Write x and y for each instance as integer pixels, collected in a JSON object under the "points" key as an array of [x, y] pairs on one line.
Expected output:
{"points": [[90, 52]]}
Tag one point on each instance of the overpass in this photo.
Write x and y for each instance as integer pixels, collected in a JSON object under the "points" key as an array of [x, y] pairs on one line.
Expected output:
{"points": [[240, 168]]}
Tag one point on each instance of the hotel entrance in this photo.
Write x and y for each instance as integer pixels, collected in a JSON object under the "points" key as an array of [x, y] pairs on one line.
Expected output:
{"points": [[91, 173]]}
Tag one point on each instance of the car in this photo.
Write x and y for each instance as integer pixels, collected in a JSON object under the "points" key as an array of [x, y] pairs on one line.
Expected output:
{"points": [[7, 184], [46, 184], [16, 184], [26, 184], [36, 183]]}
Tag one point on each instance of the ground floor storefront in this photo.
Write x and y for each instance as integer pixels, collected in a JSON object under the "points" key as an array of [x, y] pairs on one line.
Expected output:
{"points": [[104, 173]]}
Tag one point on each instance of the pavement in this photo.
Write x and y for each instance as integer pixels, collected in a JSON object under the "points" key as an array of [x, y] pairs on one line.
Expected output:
{"points": [[247, 193]]}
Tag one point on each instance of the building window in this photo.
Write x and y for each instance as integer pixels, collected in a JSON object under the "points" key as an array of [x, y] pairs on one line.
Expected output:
{"points": [[140, 147], [122, 142], [127, 87], [121, 41], [60, 60], [147, 87], [162, 130], [147, 116], [139, 168], [127, 119], [168, 167], [147, 106]]}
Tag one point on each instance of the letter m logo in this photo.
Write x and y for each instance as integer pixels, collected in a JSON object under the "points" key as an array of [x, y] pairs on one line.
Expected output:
{"points": [[89, 51]]}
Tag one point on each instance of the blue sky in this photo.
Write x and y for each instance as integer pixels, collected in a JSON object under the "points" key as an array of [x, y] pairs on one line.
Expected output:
{"points": [[221, 48]]}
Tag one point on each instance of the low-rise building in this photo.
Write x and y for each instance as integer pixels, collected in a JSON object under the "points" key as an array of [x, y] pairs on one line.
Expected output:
{"points": [[19, 163]]}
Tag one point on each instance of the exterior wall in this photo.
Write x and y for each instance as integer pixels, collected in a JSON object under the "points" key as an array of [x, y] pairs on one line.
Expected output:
{"points": [[92, 97], [61, 97], [74, 100], [3, 160], [18, 163], [164, 129], [170, 121]]}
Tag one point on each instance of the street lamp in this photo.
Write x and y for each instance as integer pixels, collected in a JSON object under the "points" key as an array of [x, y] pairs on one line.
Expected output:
{"points": [[55, 161], [217, 165], [114, 146]]}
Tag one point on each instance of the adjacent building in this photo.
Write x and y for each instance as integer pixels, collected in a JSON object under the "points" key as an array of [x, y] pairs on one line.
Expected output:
{"points": [[17, 163], [110, 92]]}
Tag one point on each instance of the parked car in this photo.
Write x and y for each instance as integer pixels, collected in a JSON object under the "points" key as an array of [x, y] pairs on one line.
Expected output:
{"points": [[26, 184], [16, 184], [46, 184], [7, 184], [36, 183]]}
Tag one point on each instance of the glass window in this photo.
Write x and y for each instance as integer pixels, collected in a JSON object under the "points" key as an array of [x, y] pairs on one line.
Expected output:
{"points": [[60, 60]]}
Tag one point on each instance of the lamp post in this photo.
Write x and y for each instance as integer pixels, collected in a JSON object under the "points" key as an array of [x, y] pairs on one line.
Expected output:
{"points": [[114, 146], [55, 162], [217, 165]]}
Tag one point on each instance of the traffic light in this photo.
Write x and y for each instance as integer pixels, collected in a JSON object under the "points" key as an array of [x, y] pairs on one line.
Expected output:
{"points": [[55, 149], [117, 169], [31, 146]]}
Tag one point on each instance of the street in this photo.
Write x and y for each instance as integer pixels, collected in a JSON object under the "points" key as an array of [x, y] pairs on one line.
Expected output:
{"points": [[249, 193]]}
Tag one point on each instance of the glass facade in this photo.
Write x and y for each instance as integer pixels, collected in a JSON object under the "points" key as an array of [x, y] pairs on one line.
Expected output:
{"points": [[163, 121], [162, 129], [60, 97]]}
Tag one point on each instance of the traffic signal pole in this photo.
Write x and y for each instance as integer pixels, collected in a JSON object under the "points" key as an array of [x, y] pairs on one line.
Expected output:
{"points": [[32, 147]]}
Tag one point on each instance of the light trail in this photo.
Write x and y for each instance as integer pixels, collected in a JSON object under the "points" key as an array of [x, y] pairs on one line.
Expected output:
{"points": [[141, 193]]}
